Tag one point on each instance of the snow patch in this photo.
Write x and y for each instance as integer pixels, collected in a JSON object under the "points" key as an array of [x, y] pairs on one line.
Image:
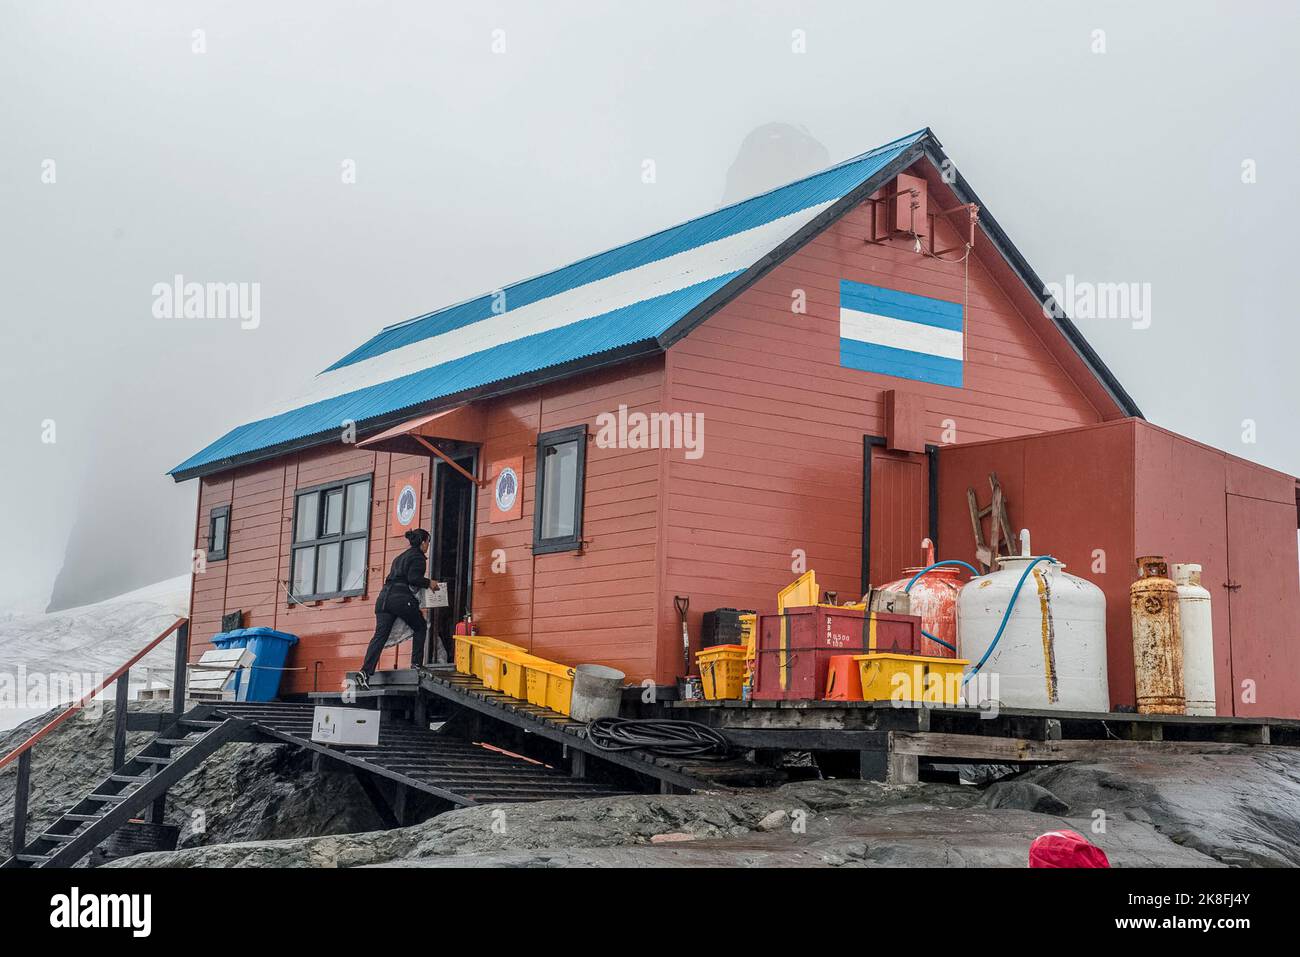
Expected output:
{"points": [[41, 656]]}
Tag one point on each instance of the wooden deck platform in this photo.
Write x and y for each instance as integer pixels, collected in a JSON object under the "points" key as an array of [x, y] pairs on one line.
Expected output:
{"points": [[889, 740], [892, 739]]}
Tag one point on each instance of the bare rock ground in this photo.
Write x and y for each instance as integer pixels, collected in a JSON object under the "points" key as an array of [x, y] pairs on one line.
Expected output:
{"points": [[1145, 820]]}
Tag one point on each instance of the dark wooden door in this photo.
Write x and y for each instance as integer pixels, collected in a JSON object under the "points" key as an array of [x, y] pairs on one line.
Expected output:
{"points": [[899, 512]]}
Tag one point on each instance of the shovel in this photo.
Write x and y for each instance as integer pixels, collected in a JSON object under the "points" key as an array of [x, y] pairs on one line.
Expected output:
{"points": [[681, 603]]}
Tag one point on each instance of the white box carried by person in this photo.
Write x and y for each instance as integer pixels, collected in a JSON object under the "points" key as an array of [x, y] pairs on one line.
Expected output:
{"points": [[346, 726]]}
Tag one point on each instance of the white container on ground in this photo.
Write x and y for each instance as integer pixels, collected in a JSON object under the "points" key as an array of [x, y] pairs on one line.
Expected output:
{"points": [[1052, 653], [1197, 619]]}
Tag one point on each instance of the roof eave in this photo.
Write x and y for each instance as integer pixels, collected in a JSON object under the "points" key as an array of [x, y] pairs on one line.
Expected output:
{"points": [[373, 426]]}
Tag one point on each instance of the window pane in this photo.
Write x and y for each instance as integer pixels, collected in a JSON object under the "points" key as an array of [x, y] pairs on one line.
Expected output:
{"points": [[327, 569], [304, 572], [358, 509], [333, 513], [307, 509], [354, 564], [218, 543], [560, 484]]}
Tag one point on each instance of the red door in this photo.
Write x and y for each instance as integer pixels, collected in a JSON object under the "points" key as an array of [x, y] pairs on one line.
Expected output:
{"points": [[900, 510], [1263, 607]]}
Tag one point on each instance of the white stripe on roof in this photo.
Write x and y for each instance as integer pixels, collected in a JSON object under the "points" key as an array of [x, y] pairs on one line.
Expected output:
{"points": [[729, 254]]}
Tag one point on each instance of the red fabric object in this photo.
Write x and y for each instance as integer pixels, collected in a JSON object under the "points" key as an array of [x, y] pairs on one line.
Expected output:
{"points": [[1065, 849]]}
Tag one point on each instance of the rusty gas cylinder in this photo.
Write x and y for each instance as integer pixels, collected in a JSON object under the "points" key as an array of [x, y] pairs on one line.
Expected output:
{"points": [[934, 598], [1157, 639]]}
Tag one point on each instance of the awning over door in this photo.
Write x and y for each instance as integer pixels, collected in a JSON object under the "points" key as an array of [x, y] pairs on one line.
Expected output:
{"points": [[413, 437]]}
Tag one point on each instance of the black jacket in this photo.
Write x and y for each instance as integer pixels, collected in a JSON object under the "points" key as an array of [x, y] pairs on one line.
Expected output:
{"points": [[406, 575]]}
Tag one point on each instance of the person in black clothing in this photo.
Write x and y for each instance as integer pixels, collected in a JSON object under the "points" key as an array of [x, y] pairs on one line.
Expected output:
{"points": [[397, 600]]}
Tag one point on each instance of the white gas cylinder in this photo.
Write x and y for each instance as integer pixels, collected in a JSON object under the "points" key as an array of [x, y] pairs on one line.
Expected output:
{"points": [[1198, 639]]}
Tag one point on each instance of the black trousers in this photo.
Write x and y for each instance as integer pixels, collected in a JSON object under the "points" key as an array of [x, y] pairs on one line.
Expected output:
{"points": [[388, 609]]}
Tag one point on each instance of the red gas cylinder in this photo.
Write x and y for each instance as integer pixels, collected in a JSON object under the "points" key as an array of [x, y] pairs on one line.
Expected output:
{"points": [[934, 598]]}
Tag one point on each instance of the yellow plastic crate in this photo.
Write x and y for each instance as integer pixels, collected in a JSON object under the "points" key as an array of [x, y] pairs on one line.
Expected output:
{"points": [[914, 678], [722, 671], [512, 676], [488, 667], [471, 651], [513, 671], [549, 685], [800, 593], [464, 651]]}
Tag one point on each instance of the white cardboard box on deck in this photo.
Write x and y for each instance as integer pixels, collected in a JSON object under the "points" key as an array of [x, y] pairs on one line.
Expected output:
{"points": [[349, 726]]}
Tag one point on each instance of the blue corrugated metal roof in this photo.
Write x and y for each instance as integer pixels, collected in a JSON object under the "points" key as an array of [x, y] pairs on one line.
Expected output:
{"points": [[375, 380]]}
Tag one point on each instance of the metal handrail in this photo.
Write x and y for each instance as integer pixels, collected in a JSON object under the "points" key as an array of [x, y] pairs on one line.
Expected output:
{"points": [[74, 708]]}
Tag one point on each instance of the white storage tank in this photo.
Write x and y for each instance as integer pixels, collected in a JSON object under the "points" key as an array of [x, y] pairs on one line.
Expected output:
{"points": [[1198, 639], [1052, 653]]}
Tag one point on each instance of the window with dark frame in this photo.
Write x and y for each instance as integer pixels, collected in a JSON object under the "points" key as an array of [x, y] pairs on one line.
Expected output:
{"points": [[218, 533], [561, 470], [331, 540]]}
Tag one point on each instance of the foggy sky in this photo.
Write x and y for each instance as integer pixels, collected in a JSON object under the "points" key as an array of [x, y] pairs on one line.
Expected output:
{"points": [[475, 168]]}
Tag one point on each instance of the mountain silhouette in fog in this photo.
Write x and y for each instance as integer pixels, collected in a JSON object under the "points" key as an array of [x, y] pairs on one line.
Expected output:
{"points": [[122, 536], [770, 156]]}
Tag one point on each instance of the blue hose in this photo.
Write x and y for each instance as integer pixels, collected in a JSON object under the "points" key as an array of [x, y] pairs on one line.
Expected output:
{"points": [[928, 568], [1006, 615], [939, 641]]}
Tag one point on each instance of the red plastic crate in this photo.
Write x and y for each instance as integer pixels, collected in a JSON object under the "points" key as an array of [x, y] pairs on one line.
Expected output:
{"points": [[816, 634]]}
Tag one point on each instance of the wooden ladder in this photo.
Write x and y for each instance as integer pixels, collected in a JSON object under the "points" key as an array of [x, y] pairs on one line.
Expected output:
{"points": [[1000, 542]]}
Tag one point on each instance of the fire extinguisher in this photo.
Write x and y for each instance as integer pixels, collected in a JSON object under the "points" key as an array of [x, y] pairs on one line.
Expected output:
{"points": [[466, 625]]}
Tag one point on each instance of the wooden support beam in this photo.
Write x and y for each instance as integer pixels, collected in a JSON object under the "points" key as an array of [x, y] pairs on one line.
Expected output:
{"points": [[446, 458], [22, 788], [888, 766], [807, 739], [119, 721], [376, 795], [401, 805], [179, 670], [997, 750]]}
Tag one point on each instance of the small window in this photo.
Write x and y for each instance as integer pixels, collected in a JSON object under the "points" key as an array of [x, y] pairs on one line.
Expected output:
{"points": [[561, 466], [218, 532], [331, 540]]}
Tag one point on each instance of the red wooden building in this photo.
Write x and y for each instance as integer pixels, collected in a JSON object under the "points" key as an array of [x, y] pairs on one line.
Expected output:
{"points": [[776, 383]]}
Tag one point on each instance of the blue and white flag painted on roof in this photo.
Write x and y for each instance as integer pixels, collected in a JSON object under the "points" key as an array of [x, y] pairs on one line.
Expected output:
{"points": [[900, 334]]}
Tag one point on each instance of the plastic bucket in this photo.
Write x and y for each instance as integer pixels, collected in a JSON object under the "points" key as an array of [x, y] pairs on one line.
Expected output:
{"points": [[597, 692]]}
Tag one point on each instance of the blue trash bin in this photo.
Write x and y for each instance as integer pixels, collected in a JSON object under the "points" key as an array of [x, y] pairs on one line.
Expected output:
{"points": [[270, 650]]}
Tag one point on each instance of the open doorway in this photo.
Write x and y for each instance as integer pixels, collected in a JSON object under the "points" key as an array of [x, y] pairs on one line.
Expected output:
{"points": [[451, 551]]}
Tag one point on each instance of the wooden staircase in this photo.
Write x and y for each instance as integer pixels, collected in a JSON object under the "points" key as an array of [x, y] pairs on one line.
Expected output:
{"points": [[129, 790]]}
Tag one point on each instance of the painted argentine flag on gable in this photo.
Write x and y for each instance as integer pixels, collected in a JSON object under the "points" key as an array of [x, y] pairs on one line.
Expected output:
{"points": [[899, 334]]}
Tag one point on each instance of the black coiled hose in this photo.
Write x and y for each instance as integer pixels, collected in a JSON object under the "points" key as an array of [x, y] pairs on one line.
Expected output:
{"points": [[669, 739]]}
